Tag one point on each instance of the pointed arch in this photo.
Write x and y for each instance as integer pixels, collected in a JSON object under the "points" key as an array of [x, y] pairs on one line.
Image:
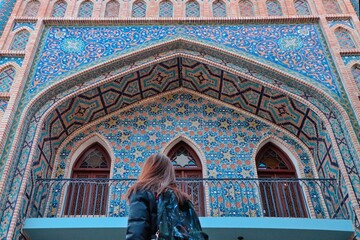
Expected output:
{"points": [[219, 8], [302, 7], [355, 71], [7, 76], [112, 9], [59, 9], [86, 9], [280, 198], [31, 9], [166, 9], [139, 9], [192, 9], [332, 7], [86, 197], [20, 40], [344, 38], [273, 8], [187, 164], [246, 8]]}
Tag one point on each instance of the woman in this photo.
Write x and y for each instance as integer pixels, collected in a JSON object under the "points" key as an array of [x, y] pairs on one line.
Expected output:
{"points": [[157, 177]]}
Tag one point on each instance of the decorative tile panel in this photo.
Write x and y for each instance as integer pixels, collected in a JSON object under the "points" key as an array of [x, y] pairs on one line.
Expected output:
{"points": [[112, 9], [30, 25], [20, 40], [192, 9], [139, 9], [86, 9], [345, 22], [219, 8], [344, 38], [246, 8], [166, 9], [17, 60], [331, 6], [6, 7], [302, 7], [6, 79], [66, 49], [273, 8], [350, 58], [31, 9], [59, 9]]}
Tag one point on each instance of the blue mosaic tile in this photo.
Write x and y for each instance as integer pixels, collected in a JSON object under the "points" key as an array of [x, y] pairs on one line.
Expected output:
{"points": [[6, 7], [350, 58], [30, 25], [346, 22], [17, 60]]}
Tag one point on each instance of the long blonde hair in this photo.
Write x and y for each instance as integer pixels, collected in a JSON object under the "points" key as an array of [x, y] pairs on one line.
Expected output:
{"points": [[158, 176]]}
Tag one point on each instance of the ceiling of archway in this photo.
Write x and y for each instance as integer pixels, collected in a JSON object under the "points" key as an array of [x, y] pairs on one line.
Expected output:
{"points": [[218, 84]]}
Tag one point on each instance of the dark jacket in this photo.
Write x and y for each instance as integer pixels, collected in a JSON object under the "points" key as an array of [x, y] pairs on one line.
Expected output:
{"points": [[142, 221]]}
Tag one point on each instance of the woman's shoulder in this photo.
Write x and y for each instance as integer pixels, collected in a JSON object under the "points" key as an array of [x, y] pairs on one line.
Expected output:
{"points": [[142, 193]]}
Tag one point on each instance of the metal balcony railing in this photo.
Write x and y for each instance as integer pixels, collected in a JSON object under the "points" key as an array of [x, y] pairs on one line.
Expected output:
{"points": [[299, 198]]}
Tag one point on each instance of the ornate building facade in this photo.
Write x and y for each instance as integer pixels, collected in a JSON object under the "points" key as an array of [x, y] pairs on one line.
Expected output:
{"points": [[234, 92]]}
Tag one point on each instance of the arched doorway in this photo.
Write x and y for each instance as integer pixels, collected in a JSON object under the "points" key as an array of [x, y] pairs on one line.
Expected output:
{"points": [[188, 165], [281, 194], [89, 197]]}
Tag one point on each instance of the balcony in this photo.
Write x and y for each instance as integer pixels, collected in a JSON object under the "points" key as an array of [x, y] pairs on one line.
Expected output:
{"points": [[229, 208]]}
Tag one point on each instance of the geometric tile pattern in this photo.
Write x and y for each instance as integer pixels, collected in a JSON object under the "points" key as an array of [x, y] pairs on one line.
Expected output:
{"points": [[273, 8], [112, 9], [331, 6], [219, 9], [355, 70], [344, 38], [139, 9], [302, 7], [86, 9], [220, 131], [59, 9], [6, 79], [302, 51], [6, 7], [246, 8], [166, 9], [20, 41], [31, 9], [192, 9]]}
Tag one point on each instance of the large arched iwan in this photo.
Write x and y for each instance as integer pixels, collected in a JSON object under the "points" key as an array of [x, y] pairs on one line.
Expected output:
{"points": [[188, 165]]}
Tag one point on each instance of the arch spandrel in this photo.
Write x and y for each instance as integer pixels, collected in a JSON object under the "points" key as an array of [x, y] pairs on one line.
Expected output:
{"points": [[64, 50]]}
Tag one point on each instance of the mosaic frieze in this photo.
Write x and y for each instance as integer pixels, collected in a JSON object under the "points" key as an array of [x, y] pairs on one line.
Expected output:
{"points": [[296, 48]]}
